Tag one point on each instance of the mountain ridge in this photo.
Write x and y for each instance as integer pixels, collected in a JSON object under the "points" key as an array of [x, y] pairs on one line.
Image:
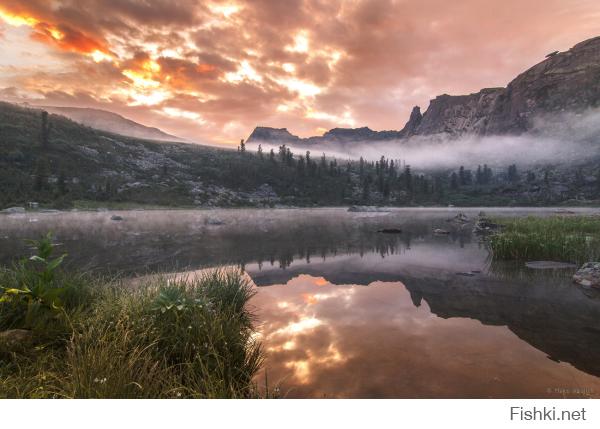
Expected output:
{"points": [[112, 122], [563, 81]]}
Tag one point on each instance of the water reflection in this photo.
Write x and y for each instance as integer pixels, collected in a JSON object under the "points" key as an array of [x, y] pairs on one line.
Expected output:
{"points": [[341, 340], [349, 312]]}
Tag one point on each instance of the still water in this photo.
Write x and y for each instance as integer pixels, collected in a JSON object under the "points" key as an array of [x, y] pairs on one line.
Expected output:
{"points": [[345, 311]]}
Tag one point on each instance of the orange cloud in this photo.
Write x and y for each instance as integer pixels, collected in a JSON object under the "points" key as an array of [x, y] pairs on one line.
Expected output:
{"points": [[68, 39], [302, 64], [61, 36]]}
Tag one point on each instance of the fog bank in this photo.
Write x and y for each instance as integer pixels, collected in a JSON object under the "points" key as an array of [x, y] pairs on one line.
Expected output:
{"points": [[563, 138]]}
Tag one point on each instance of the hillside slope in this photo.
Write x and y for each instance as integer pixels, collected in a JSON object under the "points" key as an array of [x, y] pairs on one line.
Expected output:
{"points": [[111, 122], [81, 163]]}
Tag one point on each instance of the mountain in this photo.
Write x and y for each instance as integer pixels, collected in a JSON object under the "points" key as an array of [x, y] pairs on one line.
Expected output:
{"points": [[59, 163], [564, 82], [111, 122]]}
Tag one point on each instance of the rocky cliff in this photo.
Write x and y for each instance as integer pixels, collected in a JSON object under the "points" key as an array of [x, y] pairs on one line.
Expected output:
{"points": [[564, 82]]}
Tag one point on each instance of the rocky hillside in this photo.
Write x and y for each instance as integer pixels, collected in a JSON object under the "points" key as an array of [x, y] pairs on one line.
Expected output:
{"points": [[564, 82]]}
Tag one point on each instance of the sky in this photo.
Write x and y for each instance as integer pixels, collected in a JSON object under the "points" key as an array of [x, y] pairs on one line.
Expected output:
{"points": [[210, 71]]}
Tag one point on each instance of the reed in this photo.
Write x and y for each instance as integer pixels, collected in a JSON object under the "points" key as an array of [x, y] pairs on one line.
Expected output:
{"points": [[558, 238]]}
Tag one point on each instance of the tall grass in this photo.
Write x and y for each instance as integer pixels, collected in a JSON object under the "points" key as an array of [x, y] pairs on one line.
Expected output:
{"points": [[569, 239], [166, 338]]}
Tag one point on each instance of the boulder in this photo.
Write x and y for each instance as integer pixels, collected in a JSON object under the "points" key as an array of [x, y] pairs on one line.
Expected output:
{"points": [[439, 231], [14, 340], [116, 217], [13, 210], [588, 275]]}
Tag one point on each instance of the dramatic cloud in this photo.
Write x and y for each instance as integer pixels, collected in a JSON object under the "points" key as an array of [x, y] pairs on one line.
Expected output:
{"points": [[210, 71]]}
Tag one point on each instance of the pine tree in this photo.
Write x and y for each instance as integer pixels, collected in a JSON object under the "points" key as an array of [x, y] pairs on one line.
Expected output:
{"points": [[407, 178], [487, 174], [46, 127], [512, 173], [454, 181], [479, 176], [300, 166], [260, 151]]}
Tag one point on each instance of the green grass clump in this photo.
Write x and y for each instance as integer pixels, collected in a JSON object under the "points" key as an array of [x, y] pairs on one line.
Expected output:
{"points": [[165, 338], [570, 239]]}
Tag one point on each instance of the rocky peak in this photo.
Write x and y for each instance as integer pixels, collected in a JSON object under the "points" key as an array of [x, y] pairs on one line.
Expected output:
{"points": [[272, 134], [413, 122], [363, 133], [458, 114], [563, 81]]}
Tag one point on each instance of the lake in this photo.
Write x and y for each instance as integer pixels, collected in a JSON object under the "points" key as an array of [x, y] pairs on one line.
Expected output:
{"points": [[346, 311]]}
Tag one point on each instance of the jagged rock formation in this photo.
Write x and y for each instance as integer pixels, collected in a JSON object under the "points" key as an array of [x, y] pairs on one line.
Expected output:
{"points": [[272, 134], [460, 114], [564, 82], [413, 122]]}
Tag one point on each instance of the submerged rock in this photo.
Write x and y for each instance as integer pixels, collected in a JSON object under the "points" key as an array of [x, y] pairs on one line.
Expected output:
{"points": [[390, 231], [13, 210], [460, 218], [549, 265], [367, 209], [485, 225], [588, 275], [214, 221]]}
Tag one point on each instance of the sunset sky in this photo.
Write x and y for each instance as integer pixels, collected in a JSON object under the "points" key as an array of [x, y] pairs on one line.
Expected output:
{"points": [[211, 71]]}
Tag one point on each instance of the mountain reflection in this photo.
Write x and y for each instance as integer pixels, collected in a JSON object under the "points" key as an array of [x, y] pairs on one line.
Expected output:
{"points": [[327, 340]]}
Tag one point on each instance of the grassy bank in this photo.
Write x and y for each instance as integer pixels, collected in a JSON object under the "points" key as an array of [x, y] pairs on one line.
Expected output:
{"points": [[559, 238], [84, 337]]}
